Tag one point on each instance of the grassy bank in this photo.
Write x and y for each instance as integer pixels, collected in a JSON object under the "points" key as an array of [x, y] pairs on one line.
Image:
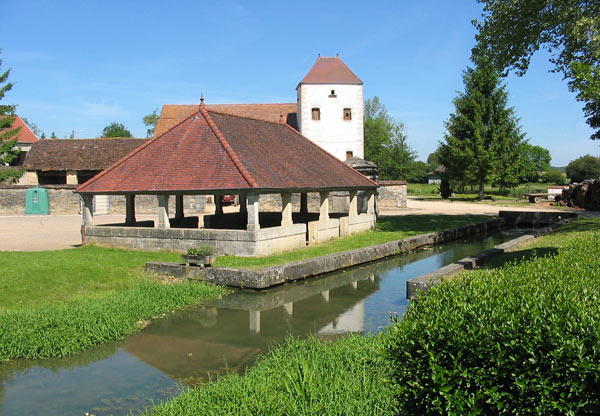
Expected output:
{"points": [[431, 191], [57, 303], [387, 229], [311, 377], [351, 376]]}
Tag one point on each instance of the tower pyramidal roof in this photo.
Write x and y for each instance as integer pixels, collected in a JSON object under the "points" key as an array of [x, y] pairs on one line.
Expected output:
{"points": [[330, 70]]}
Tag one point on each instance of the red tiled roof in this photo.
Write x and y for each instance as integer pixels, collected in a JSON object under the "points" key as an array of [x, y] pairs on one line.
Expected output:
{"points": [[79, 154], [214, 151], [330, 71], [25, 135], [172, 115]]}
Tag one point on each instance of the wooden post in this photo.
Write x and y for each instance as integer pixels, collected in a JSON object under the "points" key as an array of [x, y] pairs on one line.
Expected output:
{"points": [[304, 203], [243, 204], [179, 214], [218, 205]]}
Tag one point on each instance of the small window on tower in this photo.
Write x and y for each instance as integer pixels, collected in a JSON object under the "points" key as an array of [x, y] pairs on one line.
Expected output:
{"points": [[347, 114], [349, 154], [316, 114], [332, 95]]}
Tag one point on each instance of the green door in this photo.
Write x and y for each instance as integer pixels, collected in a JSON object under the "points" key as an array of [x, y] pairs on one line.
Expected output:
{"points": [[36, 202]]}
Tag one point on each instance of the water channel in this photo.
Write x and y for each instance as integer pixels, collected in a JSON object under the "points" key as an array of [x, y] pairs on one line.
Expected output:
{"points": [[187, 347]]}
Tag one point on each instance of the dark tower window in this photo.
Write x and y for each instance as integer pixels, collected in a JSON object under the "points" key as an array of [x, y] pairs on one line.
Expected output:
{"points": [[349, 154], [332, 95], [347, 114], [316, 114]]}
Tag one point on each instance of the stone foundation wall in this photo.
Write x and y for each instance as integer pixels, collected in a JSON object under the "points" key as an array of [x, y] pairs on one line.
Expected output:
{"points": [[392, 195], [226, 242]]}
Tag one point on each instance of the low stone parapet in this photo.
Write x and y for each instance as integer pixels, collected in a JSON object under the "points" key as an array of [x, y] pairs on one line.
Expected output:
{"points": [[323, 231], [226, 242]]}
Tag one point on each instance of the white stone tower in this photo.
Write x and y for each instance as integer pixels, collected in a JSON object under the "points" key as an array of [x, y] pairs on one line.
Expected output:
{"points": [[331, 108]]}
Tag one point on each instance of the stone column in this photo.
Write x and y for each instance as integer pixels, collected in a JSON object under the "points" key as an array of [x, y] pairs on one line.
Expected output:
{"points": [[163, 211], [243, 206], [179, 207], [72, 177], [324, 209], [304, 203], [88, 209], [31, 178], [129, 209], [353, 211], [286, 209], [253, 222], [218, 205], [371, 202]]}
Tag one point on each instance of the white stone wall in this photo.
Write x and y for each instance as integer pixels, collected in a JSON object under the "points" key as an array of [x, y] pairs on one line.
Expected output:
{"points": [[332, 132]]}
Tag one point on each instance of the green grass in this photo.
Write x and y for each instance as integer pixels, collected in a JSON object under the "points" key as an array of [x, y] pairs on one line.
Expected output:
{"points": [[388, 229], [430, 191], [56, 303], [312, 377], [31, 279]]}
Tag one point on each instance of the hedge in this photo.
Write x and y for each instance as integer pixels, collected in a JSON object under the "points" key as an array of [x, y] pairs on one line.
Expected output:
{"points": [[523, 339]]}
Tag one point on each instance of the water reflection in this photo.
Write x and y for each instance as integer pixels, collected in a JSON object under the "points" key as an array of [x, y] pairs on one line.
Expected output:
{"points": [[188, 347]]}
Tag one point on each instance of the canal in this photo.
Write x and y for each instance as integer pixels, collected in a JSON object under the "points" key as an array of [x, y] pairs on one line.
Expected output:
{"points": [[188, 347]]}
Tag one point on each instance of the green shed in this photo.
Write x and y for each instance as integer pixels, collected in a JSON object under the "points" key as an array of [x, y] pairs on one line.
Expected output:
{"points": [[36, 202]]}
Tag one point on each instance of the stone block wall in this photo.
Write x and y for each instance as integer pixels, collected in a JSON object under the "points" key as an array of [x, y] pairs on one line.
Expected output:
{"points": [[61, 199], [392, 195]]}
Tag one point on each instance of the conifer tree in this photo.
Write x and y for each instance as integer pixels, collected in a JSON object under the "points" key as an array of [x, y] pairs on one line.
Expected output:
{"points": [[8, 135], [483, 140]]}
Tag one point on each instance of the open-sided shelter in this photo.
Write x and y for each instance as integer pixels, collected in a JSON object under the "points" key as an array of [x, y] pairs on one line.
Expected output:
{"points": [[212, 153]]}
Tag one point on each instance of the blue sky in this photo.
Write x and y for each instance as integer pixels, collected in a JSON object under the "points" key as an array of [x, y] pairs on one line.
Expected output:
{"points": [[78, 66]]}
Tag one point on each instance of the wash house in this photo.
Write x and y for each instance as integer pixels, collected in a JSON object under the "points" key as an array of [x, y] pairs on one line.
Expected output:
{"points": [[211, 153]]}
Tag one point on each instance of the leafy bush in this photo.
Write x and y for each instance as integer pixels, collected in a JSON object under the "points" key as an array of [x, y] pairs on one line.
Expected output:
{"points": [[201, 250], [312, 377], [10, 175], [445, 191], [523, 339]]}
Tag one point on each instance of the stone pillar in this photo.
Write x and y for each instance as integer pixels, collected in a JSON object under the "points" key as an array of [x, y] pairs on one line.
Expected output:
{"points": [[324, 209], [254, 320], [243, 203], [253, 222], [163, 211], [31, 178], [88, 209], [286, 209], [179, 214], [371, 202], [218, 205], [129, 209], [353, 211], [304, 203], [72, 177]]}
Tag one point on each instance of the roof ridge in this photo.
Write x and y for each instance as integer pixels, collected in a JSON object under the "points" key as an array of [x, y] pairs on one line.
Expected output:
{"points": [[127, 156], [329, 154], [232, 155], [246, 117]]}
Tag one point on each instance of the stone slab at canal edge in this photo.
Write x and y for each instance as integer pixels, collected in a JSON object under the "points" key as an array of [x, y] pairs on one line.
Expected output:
{"points": [[424, 282], [276, 275]]}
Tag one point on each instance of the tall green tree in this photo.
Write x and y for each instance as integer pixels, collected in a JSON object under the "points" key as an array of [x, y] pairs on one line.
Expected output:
{"points": [[585, 167], [386, 143], [150, 121], [8, 135], [483, 139], [536, 161], [115, 130], [513, 30]]}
